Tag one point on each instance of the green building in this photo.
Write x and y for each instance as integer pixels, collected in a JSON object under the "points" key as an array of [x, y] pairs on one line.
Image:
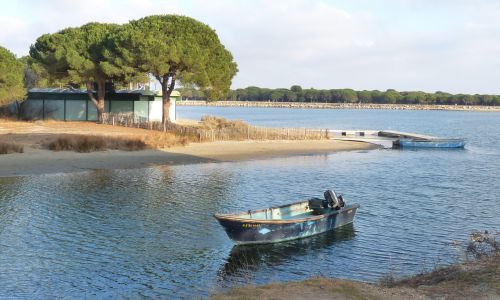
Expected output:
{"points": [[75, 105]]}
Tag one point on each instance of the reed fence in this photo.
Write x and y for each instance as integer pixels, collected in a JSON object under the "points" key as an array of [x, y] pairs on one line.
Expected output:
{"points": [[203, 133]]}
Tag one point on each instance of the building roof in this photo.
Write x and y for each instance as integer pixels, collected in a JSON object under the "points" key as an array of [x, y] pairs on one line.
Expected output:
{"points": [[57, 91], [77, 94], [81, 91]]}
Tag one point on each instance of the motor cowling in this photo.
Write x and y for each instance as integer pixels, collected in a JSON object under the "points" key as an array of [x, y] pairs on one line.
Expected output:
{"points": [[332, 199], [341, 201]]}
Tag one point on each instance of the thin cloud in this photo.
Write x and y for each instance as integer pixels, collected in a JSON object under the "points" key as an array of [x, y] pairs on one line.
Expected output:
{"points": [[405, 44]]}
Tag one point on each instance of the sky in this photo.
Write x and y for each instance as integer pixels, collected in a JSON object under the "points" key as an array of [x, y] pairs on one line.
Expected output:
{"points": [[426, 45]]}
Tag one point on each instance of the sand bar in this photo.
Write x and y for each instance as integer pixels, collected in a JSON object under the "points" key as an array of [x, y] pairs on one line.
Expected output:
{"points": [[40, 161], [36, 159]]}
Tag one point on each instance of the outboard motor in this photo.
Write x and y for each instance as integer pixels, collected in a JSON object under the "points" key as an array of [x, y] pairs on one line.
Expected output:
{"points": [[341, 201], [332, 199]]}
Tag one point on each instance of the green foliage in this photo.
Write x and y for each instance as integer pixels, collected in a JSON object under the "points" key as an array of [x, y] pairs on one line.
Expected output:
{"points": [[296, 89], [390, 97], [295, 94], [84, 55], [35, 75], [180, 48], [80, 55], [176, 48], [11, 77]]}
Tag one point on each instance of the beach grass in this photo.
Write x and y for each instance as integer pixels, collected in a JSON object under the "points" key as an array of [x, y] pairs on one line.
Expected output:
{"points": [[7, 148], [87, 144]]}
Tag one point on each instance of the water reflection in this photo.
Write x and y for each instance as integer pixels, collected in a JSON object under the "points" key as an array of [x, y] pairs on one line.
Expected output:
{"points": [[247, 259], [149, 233]]}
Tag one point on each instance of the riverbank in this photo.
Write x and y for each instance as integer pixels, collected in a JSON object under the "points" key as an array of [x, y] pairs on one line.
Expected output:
{"points": [[472, 280], [36, 159], [268, 104]]}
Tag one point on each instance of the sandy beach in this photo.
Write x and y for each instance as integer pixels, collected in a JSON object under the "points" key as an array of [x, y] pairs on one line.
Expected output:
{"points": [[38, 160]]}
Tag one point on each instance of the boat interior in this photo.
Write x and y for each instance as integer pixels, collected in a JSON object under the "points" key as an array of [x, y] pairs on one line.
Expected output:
{"points": [[292, 211], [298, 210]]}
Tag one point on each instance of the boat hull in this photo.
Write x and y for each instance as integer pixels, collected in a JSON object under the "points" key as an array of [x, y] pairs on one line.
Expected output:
{"points": [[408, 143], [252, 231]]}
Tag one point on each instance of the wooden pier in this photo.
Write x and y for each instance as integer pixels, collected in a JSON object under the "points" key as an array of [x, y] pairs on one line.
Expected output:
{"points": [[405, 135], [382, 138]]}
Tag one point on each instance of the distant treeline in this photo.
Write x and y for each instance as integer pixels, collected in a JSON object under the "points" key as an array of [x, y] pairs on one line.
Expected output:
{"points": [[298, 94]]}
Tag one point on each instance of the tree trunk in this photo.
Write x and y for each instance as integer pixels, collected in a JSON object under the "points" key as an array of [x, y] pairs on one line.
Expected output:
{"points": [[101, 91], [99, 102], [166, 101], [166, 92]]}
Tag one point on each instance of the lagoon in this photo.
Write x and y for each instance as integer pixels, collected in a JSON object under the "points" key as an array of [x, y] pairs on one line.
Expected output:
{"points": [[150, 233]]}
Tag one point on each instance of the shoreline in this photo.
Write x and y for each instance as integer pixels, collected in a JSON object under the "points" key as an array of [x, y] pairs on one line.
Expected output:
{"points": [[35, 161], [476, 279], [316, 105]]}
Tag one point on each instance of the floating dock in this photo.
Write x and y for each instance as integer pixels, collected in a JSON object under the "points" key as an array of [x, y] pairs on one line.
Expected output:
{"points": [[389, 139], [405, 135], [367, 136]]}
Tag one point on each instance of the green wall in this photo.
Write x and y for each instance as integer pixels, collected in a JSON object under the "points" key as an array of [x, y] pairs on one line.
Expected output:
{"points": [[76, 110]]}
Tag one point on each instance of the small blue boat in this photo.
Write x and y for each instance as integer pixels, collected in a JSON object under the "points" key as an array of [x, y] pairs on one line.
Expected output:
{"points": [[428, 143], [288, 222]]}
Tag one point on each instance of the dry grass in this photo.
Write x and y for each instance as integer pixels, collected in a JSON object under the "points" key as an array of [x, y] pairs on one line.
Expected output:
{"points": [[161, 140], [316, 288], [36, 134], [7, 148], [472, 280], [86, 144], [127, 144], [483, 265], [92, 143], [211, 122], [220, 129], [476, 279], [211, 129]]}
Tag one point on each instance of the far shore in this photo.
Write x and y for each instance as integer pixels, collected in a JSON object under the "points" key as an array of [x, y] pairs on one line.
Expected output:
{"points": [[36, 159], [270, 104]]}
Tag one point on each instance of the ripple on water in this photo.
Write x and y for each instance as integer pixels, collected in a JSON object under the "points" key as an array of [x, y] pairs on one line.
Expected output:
{"points": [[149, 233]]}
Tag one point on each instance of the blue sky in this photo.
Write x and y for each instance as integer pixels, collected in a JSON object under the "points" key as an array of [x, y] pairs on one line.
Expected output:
{"points": [[424, 45]]}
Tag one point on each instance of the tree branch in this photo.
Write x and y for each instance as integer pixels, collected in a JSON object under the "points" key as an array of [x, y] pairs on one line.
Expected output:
{"points": [[173, 73], [90, 92], [172, 83], [159, 79]]}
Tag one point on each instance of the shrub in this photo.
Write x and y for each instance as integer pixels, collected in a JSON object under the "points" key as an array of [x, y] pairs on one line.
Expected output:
{"points": [[7, 148], [482, 244], [86, 144], [211, 122], [127, 144], [159, 140], [90, 144]]}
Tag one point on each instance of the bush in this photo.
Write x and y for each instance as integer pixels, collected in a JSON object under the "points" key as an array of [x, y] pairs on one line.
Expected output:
{"points": [[86, 144], [7, 148], [159, 140], [127, 144], [482, 244], [211, 122]]}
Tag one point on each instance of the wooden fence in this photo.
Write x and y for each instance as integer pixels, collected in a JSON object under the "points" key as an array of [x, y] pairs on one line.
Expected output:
{"points": [[204, 134]]}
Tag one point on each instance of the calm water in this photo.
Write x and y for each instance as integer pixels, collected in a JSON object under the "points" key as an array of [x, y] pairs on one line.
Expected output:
{"points": [[150, 232]]}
